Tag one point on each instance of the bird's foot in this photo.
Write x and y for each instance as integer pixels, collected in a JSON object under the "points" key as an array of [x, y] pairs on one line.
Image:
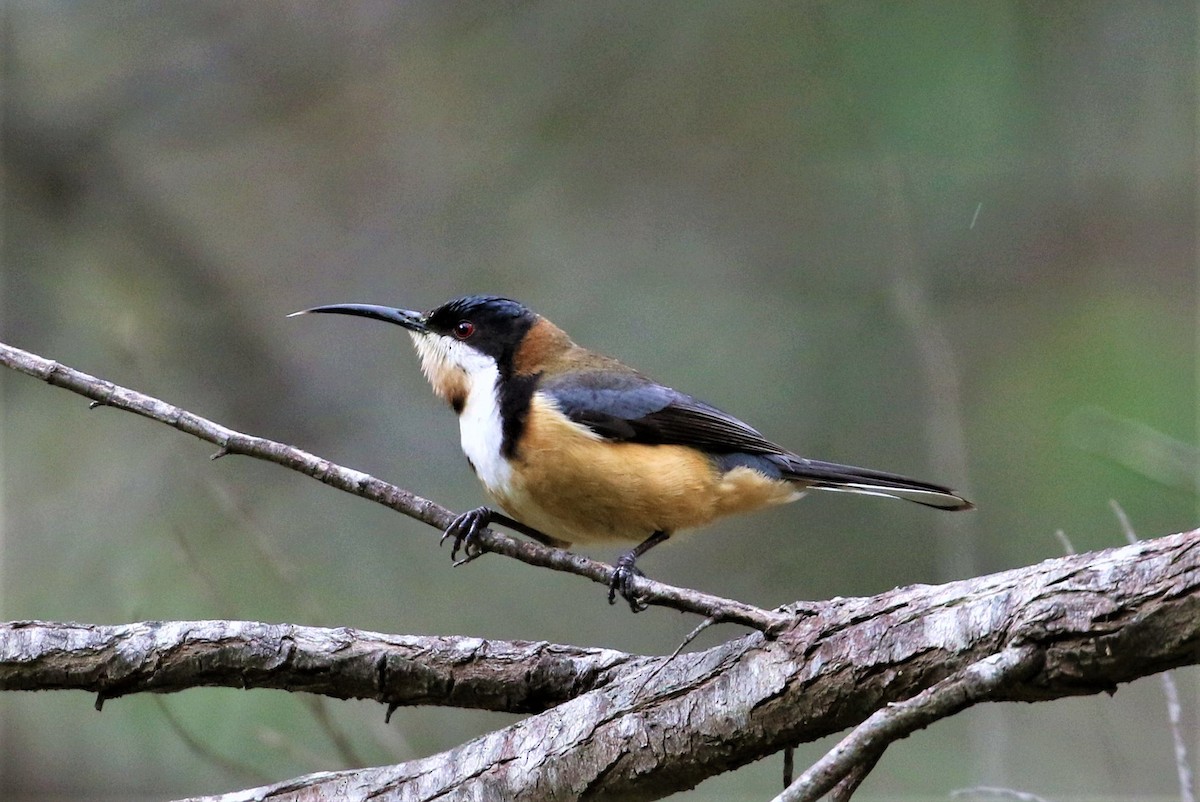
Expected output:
{"points": [[465, 531], [622, 582]]}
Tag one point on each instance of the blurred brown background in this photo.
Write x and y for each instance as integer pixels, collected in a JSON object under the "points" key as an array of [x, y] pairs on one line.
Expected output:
{"points": [[954, 240]]}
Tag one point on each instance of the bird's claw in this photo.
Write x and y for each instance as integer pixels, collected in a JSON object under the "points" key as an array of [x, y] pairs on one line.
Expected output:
{"points": [[622, 583], [465, 529]]}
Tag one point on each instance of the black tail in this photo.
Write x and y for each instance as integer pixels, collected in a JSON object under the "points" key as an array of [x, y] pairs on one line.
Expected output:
{"points": [[849, 479]]}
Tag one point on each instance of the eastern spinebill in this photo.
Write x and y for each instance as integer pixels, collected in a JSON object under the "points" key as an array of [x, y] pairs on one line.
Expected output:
{"points": [[578, 448]]}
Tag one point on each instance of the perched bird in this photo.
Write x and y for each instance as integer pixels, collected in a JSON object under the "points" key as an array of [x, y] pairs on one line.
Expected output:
{"points": [[579, 448]]}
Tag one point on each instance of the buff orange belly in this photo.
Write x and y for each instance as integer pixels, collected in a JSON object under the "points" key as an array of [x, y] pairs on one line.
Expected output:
{"points": [[572, 485]]}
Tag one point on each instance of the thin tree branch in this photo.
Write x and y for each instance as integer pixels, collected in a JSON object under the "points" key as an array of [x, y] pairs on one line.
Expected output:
{"points": [[105, 393], [988, 792], [846, 786], [978, 682], [1183, 768]]}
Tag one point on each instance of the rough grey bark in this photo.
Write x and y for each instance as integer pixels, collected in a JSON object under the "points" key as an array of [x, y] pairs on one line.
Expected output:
{"points": [[634, 728], [397, 670], [1074, 625]]}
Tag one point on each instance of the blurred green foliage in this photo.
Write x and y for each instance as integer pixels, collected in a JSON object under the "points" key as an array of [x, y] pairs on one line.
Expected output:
{"points": [[955, 240]]}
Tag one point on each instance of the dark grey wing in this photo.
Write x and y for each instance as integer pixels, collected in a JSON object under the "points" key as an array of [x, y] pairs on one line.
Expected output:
{"points": [[630, 407]]}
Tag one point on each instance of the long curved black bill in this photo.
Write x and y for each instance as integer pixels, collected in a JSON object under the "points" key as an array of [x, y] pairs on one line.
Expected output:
{"points": [[413, 321]]}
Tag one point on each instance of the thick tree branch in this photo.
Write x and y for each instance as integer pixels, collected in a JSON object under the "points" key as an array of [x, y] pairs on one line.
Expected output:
{"points": [[105, 393], [1074, 625], [164, 657], [634, 728]]}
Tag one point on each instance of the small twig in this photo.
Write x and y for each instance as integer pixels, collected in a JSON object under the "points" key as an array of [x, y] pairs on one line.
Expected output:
{"points": [[866, 742], [987, 792], [1123, 519], [1183, 769], [975, 217], [854, 778], [691, 636], [1067, 546], [104, 393]]}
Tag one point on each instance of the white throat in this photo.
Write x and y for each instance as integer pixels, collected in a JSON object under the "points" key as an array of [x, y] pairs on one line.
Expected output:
{"points": [[462, 375], [482, 431]]}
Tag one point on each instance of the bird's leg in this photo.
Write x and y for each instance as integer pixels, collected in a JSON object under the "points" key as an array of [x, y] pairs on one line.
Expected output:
{"points": [[466, 527], [626, 571], [528, 531]]}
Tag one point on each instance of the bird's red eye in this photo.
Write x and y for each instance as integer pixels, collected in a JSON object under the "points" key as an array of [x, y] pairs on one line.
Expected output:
{"points": [[463, 329]]}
